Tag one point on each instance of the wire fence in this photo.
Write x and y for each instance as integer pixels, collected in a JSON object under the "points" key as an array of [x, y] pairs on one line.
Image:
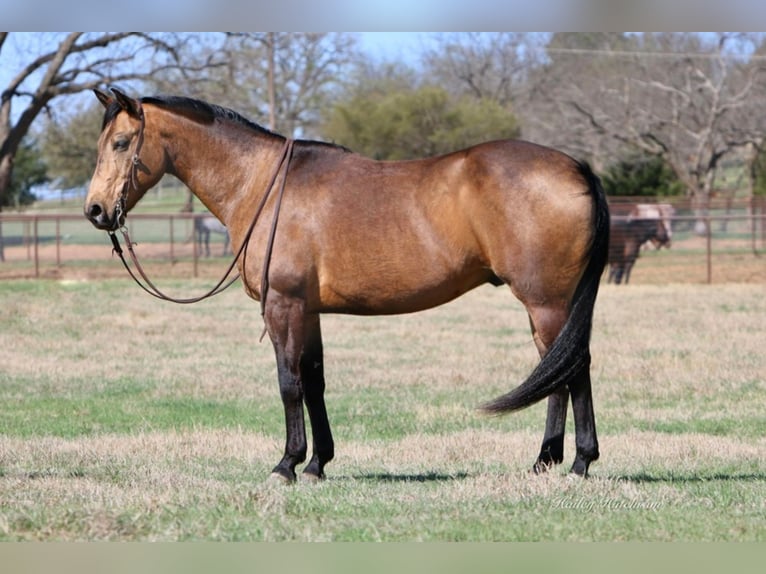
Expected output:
{"points": [[723, 241]]}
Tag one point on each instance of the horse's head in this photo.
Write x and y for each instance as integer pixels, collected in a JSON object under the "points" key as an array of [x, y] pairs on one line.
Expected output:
{"points": [[128, 164], [661, 234], [660, 231]]}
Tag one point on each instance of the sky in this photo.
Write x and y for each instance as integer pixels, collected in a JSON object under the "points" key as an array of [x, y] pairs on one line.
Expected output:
{"points": [[392, 45], [391, 15]]}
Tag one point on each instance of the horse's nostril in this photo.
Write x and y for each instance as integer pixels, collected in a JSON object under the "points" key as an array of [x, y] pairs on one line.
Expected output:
{"points": [[94, 211]]}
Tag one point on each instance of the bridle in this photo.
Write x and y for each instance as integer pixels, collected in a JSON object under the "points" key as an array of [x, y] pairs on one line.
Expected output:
{"points": [[131, 182]]}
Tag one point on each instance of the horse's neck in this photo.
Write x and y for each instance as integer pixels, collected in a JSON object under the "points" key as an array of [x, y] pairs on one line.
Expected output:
{"points": [[225, 166]]}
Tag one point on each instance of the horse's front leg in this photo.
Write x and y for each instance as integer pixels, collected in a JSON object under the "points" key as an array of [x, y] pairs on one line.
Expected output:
{"points": [[312, 375], [286, 321]]}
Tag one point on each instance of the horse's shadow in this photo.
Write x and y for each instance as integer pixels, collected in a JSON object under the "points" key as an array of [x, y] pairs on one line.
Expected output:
{"points": [[636, 478], [670, 478], [419, 477]]}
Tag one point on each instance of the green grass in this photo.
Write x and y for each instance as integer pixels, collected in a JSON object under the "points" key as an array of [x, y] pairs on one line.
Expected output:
{"points": [[126, 418]]}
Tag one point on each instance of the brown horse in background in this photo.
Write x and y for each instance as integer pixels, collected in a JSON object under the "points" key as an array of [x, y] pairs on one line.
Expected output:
{"points": [[347, 234], [626, 236]]}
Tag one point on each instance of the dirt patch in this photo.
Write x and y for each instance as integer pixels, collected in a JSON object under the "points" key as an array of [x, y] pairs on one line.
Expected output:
{"points": [[92, 262]]}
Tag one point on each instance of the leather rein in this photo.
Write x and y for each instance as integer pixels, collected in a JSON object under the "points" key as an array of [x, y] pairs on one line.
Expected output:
{"points": [[153, 290]]}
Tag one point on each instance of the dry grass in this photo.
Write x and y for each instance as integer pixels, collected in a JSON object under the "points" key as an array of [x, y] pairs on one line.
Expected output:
{"points": [[130, 419]]}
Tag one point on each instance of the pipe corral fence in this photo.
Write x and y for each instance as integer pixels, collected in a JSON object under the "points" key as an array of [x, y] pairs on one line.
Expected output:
{"points": [[50, 244], [724, 240]]}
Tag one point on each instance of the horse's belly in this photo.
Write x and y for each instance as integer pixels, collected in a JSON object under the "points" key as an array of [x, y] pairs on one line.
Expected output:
{"points": [[395, 295]]}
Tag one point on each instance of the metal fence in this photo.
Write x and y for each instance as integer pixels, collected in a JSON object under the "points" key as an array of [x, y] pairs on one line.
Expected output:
{"points": [[52, 244], [722, 241]]}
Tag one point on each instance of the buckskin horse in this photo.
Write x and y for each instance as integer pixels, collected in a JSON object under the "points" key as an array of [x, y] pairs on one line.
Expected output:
{"points": [[342, 233]]}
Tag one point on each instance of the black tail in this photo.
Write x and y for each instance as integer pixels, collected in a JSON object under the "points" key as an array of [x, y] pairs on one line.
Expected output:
{"points": [[570, 353]]}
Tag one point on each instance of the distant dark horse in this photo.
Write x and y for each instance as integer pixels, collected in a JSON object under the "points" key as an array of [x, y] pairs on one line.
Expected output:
{"points": [[626, 237], [342, 233], [203, 226]]}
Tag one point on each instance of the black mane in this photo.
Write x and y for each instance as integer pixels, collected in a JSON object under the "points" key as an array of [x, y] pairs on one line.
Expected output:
{"points": [[205, 113]]}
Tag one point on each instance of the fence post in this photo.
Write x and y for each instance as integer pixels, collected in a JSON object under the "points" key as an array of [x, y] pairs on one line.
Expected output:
{"points": [[58, 242], [709, 245], [27, 241], [194, 244], [172, 244], [37, 257]]}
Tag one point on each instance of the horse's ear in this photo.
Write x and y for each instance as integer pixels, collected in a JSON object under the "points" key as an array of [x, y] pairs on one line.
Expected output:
{"points": [[103, 97], [126, 103]]}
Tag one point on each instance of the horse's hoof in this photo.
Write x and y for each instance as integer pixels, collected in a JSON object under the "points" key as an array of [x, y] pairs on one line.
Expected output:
{"points": [[311, 477], [281, 478], [542, 467], [580, 467]]}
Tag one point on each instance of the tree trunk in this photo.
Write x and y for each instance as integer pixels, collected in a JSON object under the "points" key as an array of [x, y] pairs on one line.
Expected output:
{"points": [[6, 164]]}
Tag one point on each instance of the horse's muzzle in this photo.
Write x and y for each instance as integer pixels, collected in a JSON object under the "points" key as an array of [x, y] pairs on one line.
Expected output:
{"points": [[100, 217]]}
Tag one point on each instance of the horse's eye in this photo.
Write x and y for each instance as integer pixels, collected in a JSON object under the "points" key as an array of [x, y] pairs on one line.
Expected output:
{"points": [[121, 144]]}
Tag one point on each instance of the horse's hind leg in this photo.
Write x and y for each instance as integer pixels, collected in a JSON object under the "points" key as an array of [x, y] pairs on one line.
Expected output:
{"points": [[312, 374], [552, 449], [586, 441], [546, 324]]}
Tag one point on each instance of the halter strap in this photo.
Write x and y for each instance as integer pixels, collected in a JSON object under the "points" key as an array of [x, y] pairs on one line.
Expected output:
{"points": [[220, 286], [136, 160]]}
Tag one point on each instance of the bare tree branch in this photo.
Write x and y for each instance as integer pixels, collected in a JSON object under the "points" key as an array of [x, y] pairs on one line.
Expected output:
{"points": [[690, 99]]}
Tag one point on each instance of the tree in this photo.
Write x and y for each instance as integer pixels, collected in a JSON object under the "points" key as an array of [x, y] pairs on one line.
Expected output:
{"points": [[69, 145], [689, 99], [641, 175], [279, 79], [758, 173], [387, 117], [66, 64], [568, 77], [416, 123], [30, 170], [486, 66]]}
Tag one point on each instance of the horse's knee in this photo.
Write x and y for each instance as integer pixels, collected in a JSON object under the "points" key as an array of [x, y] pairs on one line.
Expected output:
{"points": [[290, 388]]}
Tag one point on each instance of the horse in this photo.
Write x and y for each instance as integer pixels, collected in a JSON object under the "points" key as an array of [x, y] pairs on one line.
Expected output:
{"points": [[663, 211], [348, 234], [203, 226], [626, 236]]}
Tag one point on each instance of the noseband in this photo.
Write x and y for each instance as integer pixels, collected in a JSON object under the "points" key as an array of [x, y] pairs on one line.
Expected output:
{"points": [[131, 182]]}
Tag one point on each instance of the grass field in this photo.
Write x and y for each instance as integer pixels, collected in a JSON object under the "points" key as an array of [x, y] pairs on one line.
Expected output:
{"points": [[126, 418]]}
